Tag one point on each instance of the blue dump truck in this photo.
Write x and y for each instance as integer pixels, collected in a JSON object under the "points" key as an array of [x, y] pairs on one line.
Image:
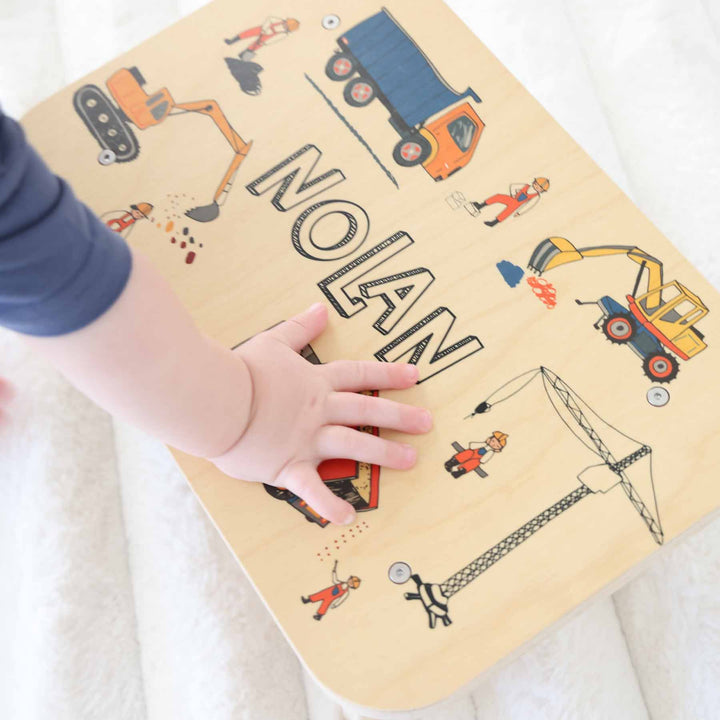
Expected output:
{"points": [[378, 59]]}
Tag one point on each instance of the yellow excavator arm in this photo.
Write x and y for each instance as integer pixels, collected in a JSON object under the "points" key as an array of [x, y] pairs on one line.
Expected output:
{"points": [[555, 251]]}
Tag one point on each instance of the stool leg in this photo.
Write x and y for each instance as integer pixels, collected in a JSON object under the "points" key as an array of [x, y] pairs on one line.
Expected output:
{"points": [[319, 704]]}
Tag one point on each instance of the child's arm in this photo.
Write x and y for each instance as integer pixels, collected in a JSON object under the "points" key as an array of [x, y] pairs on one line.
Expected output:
{"points": [[108, 320], [260, 413], [145, 361]]}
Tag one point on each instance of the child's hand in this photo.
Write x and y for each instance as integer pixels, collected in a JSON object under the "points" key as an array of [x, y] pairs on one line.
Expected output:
{"points": [[303, 414]]}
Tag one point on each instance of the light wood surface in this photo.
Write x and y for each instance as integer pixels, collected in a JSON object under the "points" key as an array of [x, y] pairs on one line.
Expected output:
{"points": [[376, 649]]}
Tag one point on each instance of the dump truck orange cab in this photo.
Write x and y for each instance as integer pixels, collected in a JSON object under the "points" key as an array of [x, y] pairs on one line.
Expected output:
{"points": [[377, 59], [453, 137]]}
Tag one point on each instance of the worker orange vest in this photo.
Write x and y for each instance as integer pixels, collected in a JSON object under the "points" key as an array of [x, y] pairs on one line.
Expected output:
{"points": [[119, 224]]}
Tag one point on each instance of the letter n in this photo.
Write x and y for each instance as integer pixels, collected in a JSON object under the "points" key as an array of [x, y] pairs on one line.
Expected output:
{"points": [[422, 345], [294, 174]]}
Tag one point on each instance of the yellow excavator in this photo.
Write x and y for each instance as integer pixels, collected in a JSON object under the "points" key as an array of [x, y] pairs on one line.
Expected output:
{"points": [[108, 124], [658, 325]]}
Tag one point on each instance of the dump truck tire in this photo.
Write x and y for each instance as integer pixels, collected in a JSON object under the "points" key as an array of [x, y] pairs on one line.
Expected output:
{"points": [[340, 67], [359, 92], [412, 150]]}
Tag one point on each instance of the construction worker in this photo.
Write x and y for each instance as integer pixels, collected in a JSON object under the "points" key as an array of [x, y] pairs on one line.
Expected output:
{"points": [[331, 597], [123, 221], [247, 73], [468, 460], [519, 201], [272, 30]]}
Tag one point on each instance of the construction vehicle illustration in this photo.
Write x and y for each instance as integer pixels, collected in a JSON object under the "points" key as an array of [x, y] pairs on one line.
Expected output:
{"points": [[658, 325], [356, 482], [378, 59], [109, 124], [617, 461]]}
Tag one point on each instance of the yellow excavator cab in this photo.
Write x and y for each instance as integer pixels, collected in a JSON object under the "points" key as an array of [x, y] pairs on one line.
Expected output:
{"points": [[675, 316]]}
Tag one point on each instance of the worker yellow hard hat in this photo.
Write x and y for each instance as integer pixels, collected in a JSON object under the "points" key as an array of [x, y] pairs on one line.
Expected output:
{"points": [[501, 437], [354, 582], [143, 207], [544, 183], [292, 24]]}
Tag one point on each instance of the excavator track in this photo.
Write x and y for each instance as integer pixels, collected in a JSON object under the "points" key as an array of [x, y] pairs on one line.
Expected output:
{"points": [[105, 123]]}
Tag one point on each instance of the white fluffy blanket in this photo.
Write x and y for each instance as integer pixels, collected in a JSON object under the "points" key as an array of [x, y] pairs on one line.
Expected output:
{"points": [[119, 601]]}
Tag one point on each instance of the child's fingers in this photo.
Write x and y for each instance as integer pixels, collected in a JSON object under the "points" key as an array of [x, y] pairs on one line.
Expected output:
{"points": [[334, 441], [303, 479], [356, 375], [298, 331], [345, 408]]}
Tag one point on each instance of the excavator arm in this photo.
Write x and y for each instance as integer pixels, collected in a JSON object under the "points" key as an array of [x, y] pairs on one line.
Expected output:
{"points": [[205, 213], [144, 111], [555, 251]]}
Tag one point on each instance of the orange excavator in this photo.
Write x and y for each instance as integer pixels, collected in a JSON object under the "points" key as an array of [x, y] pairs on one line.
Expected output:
{"points": [[109, 125]]}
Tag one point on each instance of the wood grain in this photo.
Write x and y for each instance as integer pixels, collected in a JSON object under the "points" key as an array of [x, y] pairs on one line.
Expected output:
{"points": [[377, 649]]}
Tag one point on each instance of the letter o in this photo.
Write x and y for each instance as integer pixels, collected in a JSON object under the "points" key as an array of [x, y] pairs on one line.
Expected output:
{"points": [[352, 239]]}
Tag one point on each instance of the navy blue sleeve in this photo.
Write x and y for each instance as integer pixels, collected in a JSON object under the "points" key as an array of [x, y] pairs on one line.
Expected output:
{"points": [[60, 267]]}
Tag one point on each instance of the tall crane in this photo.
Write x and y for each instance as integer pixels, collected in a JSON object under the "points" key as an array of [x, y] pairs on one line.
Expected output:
{"points": [[658, 325], [631, 471]]}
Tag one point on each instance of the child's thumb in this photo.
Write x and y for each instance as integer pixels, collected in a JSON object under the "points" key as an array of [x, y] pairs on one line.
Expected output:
{"points": [[303, 479], [298, 331]]}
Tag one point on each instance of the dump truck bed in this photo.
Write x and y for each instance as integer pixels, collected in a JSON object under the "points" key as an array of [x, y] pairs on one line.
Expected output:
{"points": [[401, 71]]}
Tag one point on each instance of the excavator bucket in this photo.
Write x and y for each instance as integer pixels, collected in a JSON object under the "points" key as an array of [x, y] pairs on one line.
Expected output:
{"points": [[204, 213], [207, 213], [552, 252]]}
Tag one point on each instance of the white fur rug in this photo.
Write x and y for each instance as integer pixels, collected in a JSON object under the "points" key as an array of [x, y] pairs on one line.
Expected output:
{"points": [[120, 602]]}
